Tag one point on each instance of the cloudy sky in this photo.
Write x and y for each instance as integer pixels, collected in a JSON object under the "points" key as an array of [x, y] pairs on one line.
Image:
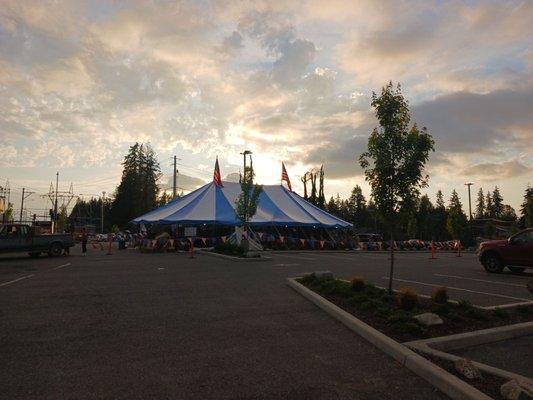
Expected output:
{"points": [[82, 81]]}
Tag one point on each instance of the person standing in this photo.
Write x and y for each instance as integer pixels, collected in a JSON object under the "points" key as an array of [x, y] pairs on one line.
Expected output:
{"points": [[84, 238]]}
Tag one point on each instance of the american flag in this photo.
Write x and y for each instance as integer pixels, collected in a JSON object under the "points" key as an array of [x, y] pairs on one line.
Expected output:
{"points": [[216, 175], [285, 176]]}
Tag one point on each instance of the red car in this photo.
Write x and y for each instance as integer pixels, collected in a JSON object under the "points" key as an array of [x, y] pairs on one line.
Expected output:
{"points": [[516, 253]]}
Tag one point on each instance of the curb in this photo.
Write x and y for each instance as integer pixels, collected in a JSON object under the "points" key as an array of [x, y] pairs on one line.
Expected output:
{"points": [[232, 258], [439, 346], [438, 377]]}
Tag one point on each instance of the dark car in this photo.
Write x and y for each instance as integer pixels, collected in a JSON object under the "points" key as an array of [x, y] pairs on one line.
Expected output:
{"points": [[516, 253]]}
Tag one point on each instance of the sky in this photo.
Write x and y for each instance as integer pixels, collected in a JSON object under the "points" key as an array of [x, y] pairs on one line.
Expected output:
{"points": [[81, 81]]}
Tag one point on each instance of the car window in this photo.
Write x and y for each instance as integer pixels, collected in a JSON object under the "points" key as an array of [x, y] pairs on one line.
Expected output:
{"points": [[3, 230], [23, 230], [523, 238]]}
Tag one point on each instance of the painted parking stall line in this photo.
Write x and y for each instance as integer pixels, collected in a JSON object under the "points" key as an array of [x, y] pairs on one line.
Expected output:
{"points": [[296, 257], [480, 280], [61, 266], [461, 289], [16, 280]]}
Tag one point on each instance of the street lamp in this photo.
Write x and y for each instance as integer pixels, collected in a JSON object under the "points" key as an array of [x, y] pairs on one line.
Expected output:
{"points": [[469, 199]]}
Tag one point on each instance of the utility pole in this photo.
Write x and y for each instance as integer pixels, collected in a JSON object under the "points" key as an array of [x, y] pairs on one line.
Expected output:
{"points": [[55, 205], [25, 195], [469, 199], [102, 213]]}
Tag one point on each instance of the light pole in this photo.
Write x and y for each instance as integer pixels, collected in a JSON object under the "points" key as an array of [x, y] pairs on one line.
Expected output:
{"points": [[469, 199], [244, 154], [102, 213]]}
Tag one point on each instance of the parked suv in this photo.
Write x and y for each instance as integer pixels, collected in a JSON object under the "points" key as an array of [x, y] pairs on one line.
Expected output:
{"points": [[516, 253]]}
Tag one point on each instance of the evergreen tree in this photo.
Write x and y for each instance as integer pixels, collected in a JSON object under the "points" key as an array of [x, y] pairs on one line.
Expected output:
{"points": [[164, 199], [455, 203], [332, 206], [356, 207], [480, 206], [497, 203], [137, 192], [440, 216], [488, 206], [456, 222], [425, 222], [526, 209], [440, 200]]}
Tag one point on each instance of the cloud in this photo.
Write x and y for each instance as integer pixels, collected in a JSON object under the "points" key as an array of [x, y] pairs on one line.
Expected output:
{"points": [[481, 123], [288, 80], [184, 182], [497, 171]]}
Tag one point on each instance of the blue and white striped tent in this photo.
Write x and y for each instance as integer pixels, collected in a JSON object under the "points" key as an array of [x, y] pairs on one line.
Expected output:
{"points": [[212, 204]]}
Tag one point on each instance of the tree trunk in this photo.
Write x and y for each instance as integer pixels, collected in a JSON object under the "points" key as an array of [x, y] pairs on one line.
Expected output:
{"points": [[391, 271]]}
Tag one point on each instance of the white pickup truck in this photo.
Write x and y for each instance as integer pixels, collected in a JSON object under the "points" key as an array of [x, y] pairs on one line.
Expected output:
{"points": [[16, 238]]}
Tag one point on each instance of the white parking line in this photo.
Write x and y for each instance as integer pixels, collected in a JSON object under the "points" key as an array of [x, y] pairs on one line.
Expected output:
{"points": [[455, 288], [62, 266], [480, 280], [16, 280], [297, 257]]}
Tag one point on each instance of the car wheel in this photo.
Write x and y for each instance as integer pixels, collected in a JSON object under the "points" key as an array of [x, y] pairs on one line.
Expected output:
{"points": [[493, 263], [517, 270], [55, 250], [34, 254]]}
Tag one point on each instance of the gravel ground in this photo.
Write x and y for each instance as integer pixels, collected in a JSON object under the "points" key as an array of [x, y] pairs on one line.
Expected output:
{"points": [[132, 326]]}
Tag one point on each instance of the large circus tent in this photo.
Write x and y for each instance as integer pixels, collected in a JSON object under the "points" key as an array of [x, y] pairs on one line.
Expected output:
{"points": [[215, 204]]}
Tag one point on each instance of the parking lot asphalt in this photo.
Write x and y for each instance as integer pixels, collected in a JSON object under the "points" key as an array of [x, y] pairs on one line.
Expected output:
{"points": [[163, 326], [497, 354], [464, 276]]}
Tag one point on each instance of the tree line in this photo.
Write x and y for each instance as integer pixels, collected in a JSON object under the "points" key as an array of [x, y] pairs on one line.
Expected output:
{"points": [[440, 221]]}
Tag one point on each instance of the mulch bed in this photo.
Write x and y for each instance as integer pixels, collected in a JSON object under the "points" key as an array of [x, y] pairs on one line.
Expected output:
{"points": [[381, 311]]}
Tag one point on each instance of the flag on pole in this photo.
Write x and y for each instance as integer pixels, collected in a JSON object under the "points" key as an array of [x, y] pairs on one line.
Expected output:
{"points": [[216, 175], [285, 176]]}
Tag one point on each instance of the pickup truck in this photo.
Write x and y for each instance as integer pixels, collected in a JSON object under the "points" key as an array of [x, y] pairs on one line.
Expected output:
{"points": [[22, 238], [516, 253]]}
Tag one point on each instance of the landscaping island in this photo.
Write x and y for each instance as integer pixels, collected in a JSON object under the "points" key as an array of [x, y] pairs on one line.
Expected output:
{"points": [[404, 316]]}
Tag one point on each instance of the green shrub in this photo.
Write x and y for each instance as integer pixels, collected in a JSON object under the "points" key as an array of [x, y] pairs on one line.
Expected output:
{"points": [[357, 299], [358, 283], [464, 304], [407, 299], [398, 316], [454, 316], [441, 309], [440, 295], [475, 313], [500, 313], [230, 249], [370, 304], [308, 279], [384, 311]]}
